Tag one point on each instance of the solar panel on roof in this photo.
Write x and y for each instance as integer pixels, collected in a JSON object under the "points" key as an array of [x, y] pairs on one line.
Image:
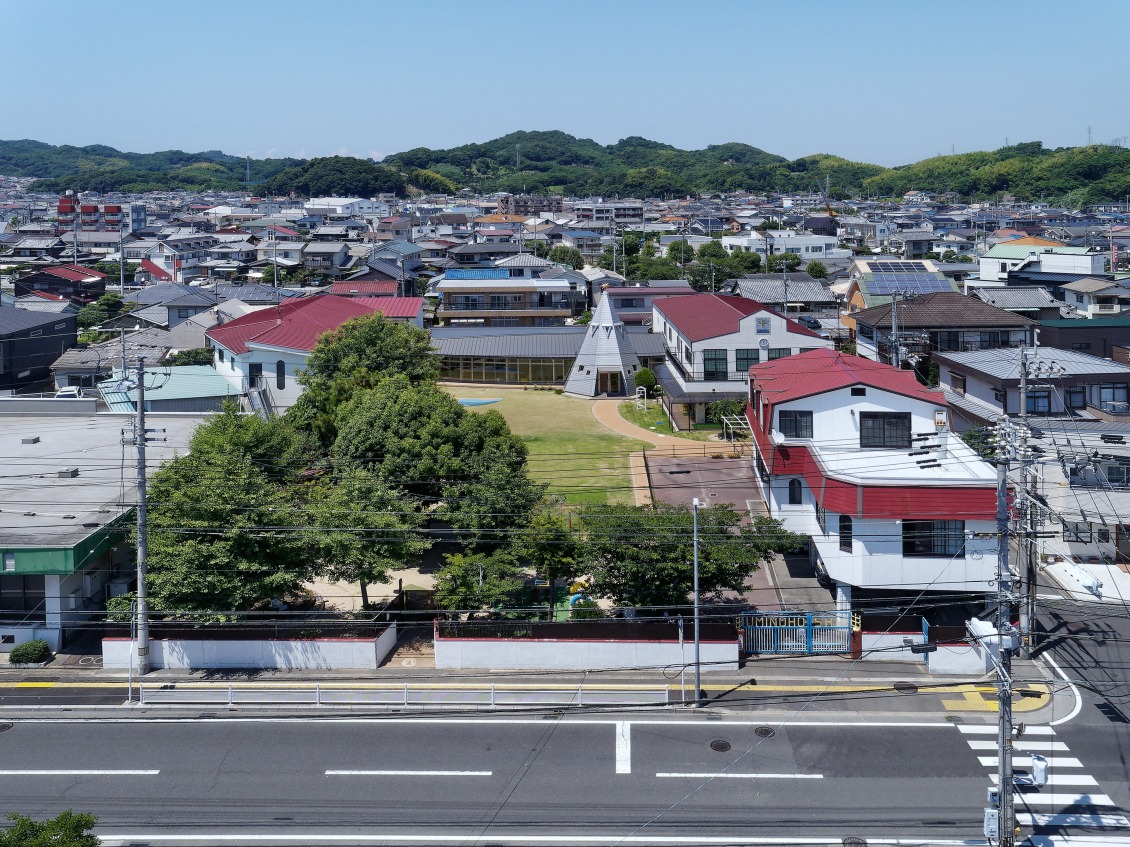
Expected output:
{"points": [[907, 283], [898, 267]]}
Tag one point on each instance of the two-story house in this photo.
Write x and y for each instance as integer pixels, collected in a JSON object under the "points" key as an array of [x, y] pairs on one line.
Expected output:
{"points": [[984, 384], [860, 456], [1096, 297], [711, 341], [1005, 259], [942, 321]]}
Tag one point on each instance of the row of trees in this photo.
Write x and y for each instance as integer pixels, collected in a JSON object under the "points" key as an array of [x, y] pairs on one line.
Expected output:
{"points": [[354, 481]]}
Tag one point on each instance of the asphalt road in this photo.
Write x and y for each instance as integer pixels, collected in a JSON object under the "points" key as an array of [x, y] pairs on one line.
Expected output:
{"points": [[495, 781], [1091, 644]]}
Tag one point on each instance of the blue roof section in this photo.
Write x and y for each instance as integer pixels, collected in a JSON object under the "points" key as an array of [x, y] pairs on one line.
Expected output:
{"points": [[477, 273]]}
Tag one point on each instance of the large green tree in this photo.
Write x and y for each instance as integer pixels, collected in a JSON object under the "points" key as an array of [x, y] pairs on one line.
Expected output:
{"points": [[642, 555], [475, 581], [223, 535], [570, 256], [418, 437], [363, 528], [101, 310], [358, 355]]}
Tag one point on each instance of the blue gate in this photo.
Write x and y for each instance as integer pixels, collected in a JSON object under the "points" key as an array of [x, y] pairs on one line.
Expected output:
{"points": [[798, 633]]}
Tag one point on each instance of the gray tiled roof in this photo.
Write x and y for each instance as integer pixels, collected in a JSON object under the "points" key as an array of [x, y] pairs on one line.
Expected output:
{"points": [[772, 290], [1014, 296]]}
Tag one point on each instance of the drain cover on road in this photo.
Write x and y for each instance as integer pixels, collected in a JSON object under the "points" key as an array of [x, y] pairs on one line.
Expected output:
{"points": [[852, 841], [719, 746], [905, 688], [4, 727], [765, 732]]}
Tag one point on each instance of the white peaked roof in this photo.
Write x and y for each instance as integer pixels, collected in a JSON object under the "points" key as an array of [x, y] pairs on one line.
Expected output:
{"points": [[606, 349]]}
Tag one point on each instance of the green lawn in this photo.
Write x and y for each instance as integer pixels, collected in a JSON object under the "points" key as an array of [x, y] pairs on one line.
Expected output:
{"points": [[577, 456], [656, 420]]}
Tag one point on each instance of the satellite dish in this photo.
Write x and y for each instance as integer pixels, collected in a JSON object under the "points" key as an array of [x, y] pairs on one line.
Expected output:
{"points": [[777, 437]]}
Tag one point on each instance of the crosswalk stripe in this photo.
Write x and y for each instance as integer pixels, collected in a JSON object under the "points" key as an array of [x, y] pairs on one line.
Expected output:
{"points": [[987, 729], [1068, 819], [1040, 799], [1060, 779], [1022, 744], [1026, 761]]}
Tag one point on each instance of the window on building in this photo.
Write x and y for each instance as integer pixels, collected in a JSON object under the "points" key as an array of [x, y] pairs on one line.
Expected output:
{"points": [[957, 382], [9, 562], [866, 332], [764, 326], [280, 374], [1112, 392], [744, 359], [779, 352], [1039, 402], [1102, 535], [1076, 398], [858, 391], [933, 538], [845, 533], [714, 364], [795, 492], [795, 424], [1117, 474], [1079, 531], [822, 519], [1081, 345], [884, 429], [1078, 297]]}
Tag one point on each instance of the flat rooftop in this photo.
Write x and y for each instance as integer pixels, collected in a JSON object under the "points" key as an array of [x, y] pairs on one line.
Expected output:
{"points": [[43, 505]]}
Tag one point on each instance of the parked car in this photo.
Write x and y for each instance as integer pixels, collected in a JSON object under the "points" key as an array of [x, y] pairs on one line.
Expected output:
{"points": [[809, 322]]}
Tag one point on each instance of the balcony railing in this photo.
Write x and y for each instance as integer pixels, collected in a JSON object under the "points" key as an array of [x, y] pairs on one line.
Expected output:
{"points": [[505, 307]]}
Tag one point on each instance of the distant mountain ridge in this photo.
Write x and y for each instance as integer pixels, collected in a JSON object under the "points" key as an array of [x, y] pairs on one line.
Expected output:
{"points": [[554, 161]]}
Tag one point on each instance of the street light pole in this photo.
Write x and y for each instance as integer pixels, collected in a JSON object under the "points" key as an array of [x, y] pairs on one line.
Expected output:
{"points": [[697, 663], [142, 528]]}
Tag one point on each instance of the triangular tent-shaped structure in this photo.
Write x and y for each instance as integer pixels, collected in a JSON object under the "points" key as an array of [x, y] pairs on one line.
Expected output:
{"points": [[606, 362]]}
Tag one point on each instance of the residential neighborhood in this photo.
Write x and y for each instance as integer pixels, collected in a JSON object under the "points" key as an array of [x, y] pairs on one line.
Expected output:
{"points": [[599, 448]]}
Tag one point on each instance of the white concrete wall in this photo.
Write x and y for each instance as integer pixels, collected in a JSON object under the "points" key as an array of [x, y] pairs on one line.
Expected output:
{"points": [[889, 647], [20, 634], [833, 421], [320, 653], [530, 654], [959, 659]]}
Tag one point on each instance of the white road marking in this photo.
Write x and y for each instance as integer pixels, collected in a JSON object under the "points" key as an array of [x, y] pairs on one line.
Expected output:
{"points": [[991, 729], [1078, 697], [727, 775], [1053, 761], [408, 773], [1063, 800], [1068, 819], [1023, 745], [1059, 779], [71, 772], [623, 747]]}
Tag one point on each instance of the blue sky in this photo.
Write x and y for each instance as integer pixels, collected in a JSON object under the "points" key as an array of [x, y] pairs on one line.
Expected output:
{"points": [[885, 82]]}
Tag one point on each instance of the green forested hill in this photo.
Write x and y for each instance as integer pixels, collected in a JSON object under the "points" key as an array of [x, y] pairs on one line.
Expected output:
{"points": [[102, 168], [557, 162]]}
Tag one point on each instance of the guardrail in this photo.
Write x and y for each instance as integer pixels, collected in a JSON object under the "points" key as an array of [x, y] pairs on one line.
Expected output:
{"points": [[407, 695]]}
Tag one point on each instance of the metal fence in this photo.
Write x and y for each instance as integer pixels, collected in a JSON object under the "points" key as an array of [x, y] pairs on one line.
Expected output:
{"points": [[407, 695], [798, 633]]}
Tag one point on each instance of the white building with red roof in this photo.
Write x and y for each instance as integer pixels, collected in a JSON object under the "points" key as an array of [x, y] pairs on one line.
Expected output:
{"points": [[860, 456], [711, 341], [261, 353]]}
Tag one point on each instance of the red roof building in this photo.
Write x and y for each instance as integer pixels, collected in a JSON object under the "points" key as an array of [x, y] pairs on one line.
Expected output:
{"points": [[261, 352], [711, 340], [860, 456]]}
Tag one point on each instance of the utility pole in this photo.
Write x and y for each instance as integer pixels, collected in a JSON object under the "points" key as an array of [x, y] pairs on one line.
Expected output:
{"points": [[697, 644], [1005, 818], [139, 438]]}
